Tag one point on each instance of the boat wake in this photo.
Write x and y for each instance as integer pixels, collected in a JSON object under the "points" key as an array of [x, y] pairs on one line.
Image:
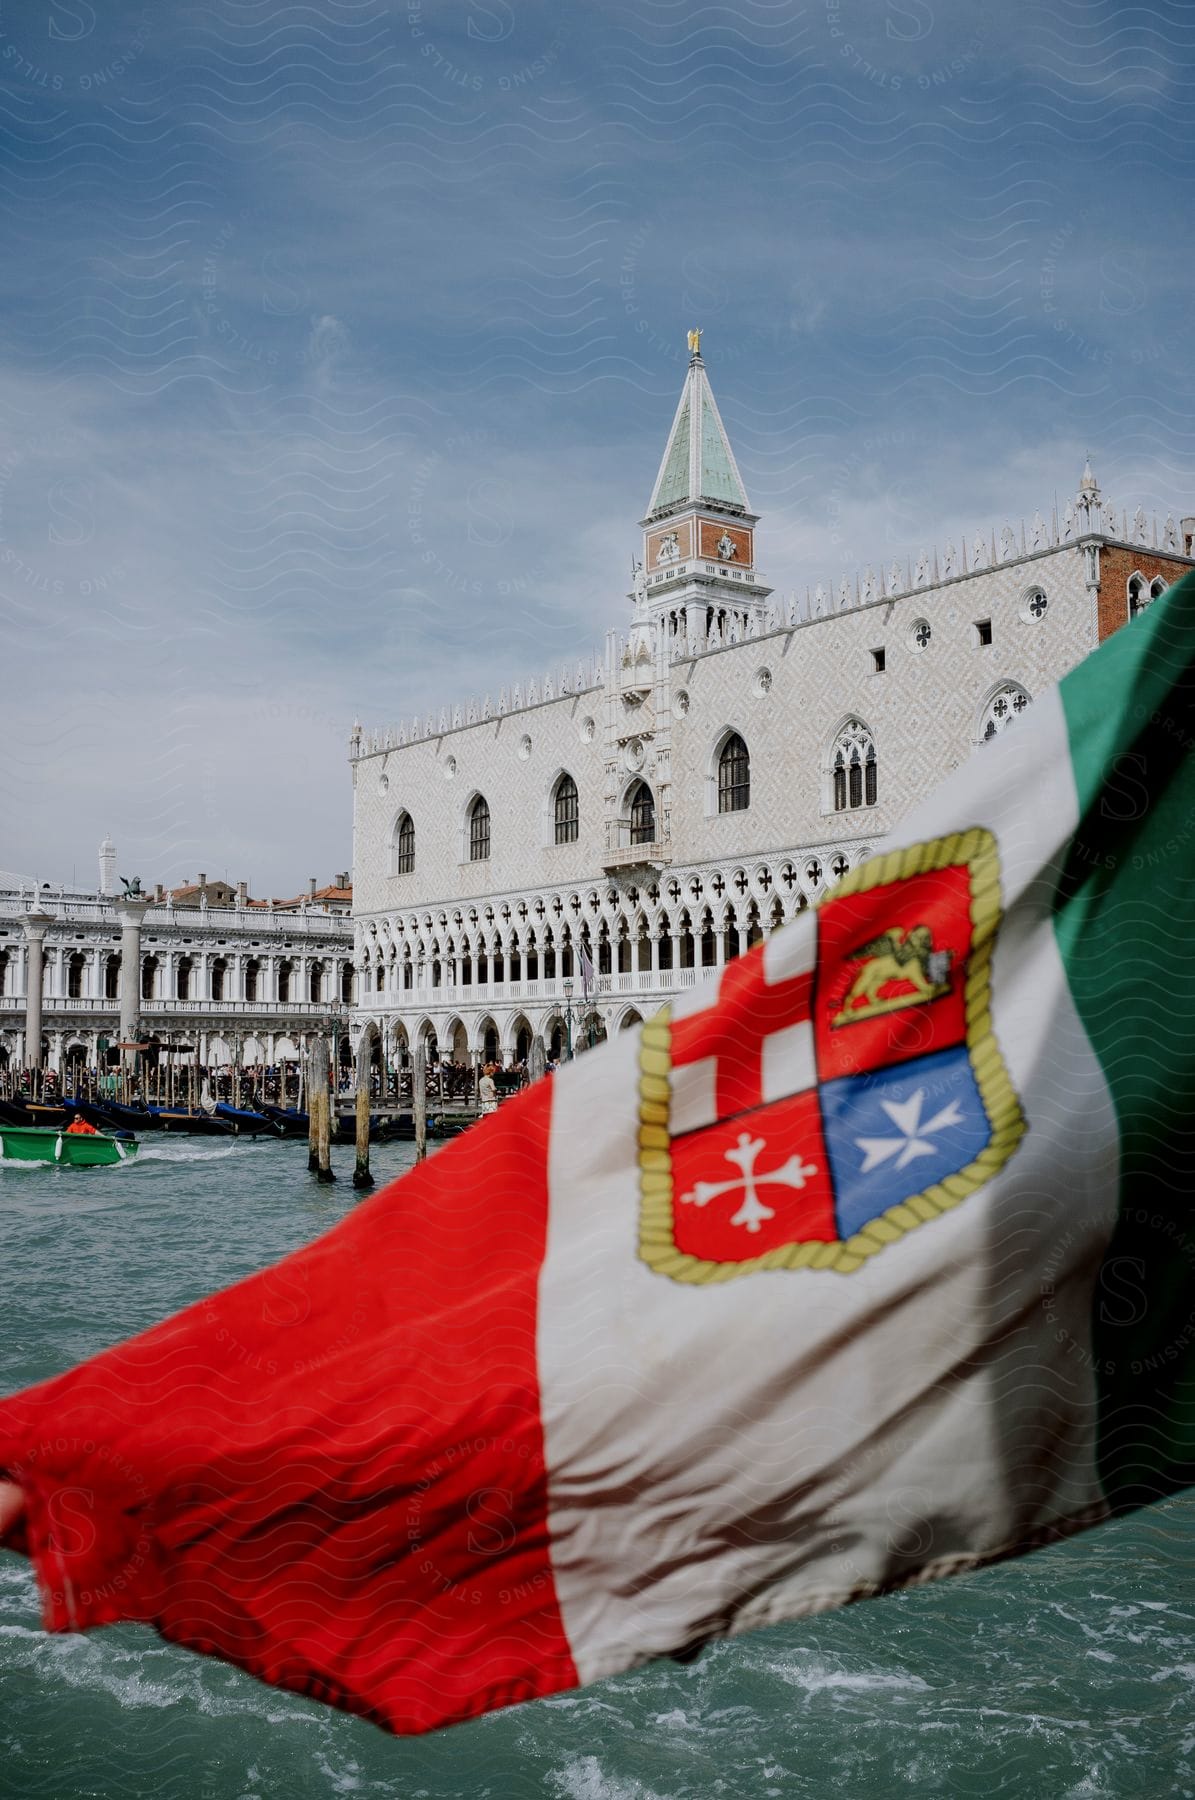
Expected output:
{"points": [[179, 1153]]}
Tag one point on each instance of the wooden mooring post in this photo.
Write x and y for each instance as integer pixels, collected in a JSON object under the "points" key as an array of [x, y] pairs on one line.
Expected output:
{"points": [[419, 1101], [312, 1114], [361, 1175], [320, 1102]]}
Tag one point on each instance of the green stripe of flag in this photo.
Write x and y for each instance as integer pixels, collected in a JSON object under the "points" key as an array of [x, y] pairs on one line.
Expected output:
{"points": [[1125, 925]]}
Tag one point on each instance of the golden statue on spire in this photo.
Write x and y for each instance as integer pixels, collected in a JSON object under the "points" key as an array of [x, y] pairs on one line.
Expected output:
{"points": [[695, 340]]}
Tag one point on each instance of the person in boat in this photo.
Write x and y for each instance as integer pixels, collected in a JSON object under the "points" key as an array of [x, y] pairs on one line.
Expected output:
{"points": [[79, 1127]]}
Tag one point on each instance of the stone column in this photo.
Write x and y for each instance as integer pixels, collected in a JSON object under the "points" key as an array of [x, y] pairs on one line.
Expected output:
{"points": [[35, 937], [130, 913]]}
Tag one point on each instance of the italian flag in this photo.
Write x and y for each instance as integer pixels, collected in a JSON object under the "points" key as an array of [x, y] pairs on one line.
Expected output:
{"points": [[870, 1261]]}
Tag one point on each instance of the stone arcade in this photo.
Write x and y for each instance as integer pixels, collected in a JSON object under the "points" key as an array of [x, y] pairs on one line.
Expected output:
{"points": [[233, 978], [664, 805]]}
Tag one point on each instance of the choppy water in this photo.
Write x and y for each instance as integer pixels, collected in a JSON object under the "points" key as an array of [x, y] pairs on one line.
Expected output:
{"points": [[1069, 1674]]}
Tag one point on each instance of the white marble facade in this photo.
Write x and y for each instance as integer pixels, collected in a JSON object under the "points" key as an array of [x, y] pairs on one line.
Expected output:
{"points": [[469, 937]]}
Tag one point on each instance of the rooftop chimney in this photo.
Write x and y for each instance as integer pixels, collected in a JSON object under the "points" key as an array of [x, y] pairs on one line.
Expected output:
{"points": [[242, 892], [159, 891], [202, 879], [1188, 530], [311, 886]]}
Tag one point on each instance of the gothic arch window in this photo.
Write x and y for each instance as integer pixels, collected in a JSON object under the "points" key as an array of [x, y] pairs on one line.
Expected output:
{"points": [[642, 808], [149, 976], [734, 775], [182, 979], [252, 972], [315, 978], [1007, 703], [219, 971], [566, 811], [479, 830], [404, 845], [853, 768], [1139, 595], [74, 976], [284, 974], [1157, 587]]}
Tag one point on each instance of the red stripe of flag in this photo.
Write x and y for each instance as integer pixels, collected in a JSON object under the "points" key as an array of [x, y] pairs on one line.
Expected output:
{"points": [[331, 1474]]}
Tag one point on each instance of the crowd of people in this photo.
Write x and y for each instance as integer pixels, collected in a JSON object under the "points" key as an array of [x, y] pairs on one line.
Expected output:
{"points": [[447, 1082]]}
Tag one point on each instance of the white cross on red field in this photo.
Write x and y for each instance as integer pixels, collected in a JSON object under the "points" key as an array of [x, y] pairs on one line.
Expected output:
{"points": [[755, 1042], [752, 1212]]}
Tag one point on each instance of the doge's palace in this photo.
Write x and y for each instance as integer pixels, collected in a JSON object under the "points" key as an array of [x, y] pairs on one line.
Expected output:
{"points": [[651, 810]]}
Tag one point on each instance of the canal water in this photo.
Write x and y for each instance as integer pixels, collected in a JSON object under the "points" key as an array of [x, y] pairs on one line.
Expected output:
{"points": [[1071, 1673]]}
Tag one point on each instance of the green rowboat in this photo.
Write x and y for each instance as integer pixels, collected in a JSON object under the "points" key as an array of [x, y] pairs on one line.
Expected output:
{"points": [[81, 1150]]}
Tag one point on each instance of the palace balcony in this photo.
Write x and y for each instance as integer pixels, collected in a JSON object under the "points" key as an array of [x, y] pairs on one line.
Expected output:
{"points": [[488, 993], [624, 857]]}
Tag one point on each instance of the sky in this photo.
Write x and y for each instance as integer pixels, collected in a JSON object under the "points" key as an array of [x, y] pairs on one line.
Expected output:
{"points": [[339, 343]]}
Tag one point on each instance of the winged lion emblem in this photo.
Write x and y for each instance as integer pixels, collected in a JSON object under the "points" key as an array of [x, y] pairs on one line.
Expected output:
{"points": [[907, 958]]}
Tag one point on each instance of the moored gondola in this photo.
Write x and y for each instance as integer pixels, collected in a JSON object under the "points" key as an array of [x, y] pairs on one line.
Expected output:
{"points": [[49, 1115], [131, 1118], [244, 1119], [96, 1115], [290, 1121], [198, 1124]]}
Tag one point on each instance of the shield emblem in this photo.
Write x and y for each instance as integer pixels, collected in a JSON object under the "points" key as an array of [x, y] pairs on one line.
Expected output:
{"points": [[844, 1088]]}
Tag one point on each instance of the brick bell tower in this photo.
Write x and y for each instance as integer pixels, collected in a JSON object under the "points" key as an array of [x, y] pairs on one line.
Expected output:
{"points": [[698, 571]]}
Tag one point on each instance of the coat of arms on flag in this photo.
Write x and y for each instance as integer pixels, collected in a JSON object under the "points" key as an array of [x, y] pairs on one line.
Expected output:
{"points": [[844, 1087]]}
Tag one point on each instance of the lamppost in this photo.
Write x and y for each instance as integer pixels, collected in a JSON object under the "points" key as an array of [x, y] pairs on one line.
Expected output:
{"points": [[568, 1018]]}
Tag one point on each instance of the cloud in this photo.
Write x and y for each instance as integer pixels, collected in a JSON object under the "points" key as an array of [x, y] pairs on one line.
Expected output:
{"points": [[335, 369]]}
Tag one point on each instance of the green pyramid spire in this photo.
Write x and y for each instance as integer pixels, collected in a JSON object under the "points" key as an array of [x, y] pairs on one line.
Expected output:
{"points": [[698, 462]]}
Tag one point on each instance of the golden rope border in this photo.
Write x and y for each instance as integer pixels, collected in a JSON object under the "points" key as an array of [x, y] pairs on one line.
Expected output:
{"points": [[657, 1248]]}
